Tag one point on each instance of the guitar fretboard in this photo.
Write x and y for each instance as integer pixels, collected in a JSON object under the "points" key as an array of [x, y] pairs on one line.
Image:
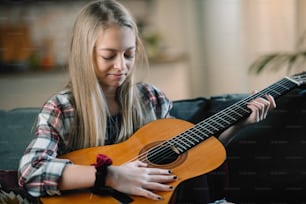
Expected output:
{"points": [[225, 118]]}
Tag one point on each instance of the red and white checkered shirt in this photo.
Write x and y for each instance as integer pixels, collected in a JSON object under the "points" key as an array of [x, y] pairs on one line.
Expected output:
{"points": [[40, 169]]}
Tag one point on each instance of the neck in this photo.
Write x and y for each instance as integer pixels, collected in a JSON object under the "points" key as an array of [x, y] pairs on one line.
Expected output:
{"points": [[110, 92], [112, 102]]}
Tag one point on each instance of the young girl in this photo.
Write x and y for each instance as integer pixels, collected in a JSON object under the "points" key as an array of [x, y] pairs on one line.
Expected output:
{"points": [[101, 105]]}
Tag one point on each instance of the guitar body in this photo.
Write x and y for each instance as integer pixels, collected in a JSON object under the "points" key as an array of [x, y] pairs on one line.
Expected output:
{"points": [[202, 158]]}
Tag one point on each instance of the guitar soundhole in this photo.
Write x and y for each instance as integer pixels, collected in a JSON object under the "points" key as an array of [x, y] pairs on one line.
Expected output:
{"points": [[157, 155], [162, 155]]}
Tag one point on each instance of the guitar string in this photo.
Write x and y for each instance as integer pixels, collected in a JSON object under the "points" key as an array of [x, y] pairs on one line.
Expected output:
{"points": [[160, 151], [182, 137], [277, 88], [221, 115], [159, 148]]}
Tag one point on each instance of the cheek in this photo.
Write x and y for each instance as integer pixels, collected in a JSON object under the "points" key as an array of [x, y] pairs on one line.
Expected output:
{"points": [[131, 67], [101, 65]]}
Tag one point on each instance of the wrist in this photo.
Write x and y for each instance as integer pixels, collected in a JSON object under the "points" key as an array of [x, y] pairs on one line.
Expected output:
{"points": [[102, 164], [227, 136], [109, 176]]}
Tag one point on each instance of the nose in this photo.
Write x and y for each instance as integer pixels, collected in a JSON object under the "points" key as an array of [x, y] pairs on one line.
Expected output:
{"points": [[120, 63]]}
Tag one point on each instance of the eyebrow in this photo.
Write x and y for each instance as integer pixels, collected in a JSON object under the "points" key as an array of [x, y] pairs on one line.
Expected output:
{"points": [[111, 49]]}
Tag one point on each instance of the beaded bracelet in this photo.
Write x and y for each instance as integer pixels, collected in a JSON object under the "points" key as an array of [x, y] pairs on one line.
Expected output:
{"points": [[101, 165]]}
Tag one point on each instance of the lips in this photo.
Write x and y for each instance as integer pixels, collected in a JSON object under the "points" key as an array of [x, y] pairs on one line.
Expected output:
{"points": [[117, 76]]}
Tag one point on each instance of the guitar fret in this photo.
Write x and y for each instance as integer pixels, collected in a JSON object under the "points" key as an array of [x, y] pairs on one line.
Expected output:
{"points": [[191, 137], [218, 123], [227, 122], [212, 126], [200, 133], [240, 115], [186, 141], [275, 91], [183, 142], [284, 87], [244, 111], [231, 117], [195, 134], [176, 144], [204, 129], [238, 111]]}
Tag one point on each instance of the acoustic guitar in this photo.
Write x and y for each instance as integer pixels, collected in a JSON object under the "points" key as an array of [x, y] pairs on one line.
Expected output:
{"points": [[187, 149]]}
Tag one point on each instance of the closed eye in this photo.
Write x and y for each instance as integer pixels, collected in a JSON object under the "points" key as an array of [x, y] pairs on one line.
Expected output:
{"points": [[130, 54], [109, 57]]}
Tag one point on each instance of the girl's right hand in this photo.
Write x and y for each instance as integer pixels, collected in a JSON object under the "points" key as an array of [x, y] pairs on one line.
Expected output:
{"points": [[136, 178]]}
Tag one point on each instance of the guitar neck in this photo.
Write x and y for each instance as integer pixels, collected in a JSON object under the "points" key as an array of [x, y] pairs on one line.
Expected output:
{"points": [[227, 117]]}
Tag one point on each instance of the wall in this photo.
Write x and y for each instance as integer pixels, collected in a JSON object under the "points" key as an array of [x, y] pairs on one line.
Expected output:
{"points": [[53, 20], [223, 52], [271, 26], [219, 39], [29, 90], [231, 34], [33, 89]]}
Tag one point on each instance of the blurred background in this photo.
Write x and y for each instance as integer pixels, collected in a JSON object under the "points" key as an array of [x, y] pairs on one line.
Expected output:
{"points": [[196, 47]]}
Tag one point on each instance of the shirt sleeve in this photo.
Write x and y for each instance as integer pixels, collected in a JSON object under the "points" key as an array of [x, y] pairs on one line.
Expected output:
{"points": [[156, 100], [39, 168]]}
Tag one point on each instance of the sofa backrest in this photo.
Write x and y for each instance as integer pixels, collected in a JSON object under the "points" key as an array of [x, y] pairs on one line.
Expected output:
{"points": [[16, 128], [15, 135], [16, 125]]}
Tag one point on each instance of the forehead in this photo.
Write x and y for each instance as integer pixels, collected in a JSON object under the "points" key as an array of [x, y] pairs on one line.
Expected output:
{"points": [[116, 37]]}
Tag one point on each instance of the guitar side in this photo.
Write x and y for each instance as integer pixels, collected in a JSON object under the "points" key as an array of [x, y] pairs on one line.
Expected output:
{"points": [[202, 158]]}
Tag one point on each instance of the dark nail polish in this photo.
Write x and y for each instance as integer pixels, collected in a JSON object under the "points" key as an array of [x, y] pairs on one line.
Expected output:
{"points": [[174, 177], [171, 187]]}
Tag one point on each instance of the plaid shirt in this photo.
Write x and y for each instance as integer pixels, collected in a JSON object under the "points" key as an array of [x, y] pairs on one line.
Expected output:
{"points": [[40, 169]]}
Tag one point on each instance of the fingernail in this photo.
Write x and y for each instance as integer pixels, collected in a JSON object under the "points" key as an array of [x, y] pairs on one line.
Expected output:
{"points": [[159, 198], [171, 187], [174, 177], [169, 171]]}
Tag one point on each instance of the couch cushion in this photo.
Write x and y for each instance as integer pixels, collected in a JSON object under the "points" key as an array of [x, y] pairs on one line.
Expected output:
{"points": [[15, 135], [189, 109], [267, 161], [197, 109]]}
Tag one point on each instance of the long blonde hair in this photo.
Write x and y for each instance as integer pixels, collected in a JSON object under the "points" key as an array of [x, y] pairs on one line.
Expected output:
{"points": [[91, 113]]}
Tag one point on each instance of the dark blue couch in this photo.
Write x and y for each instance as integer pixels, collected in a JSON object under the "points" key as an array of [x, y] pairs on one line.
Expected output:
{"points": [[266, 163]]}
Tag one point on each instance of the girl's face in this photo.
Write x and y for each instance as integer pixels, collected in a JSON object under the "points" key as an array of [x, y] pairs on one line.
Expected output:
{"points": [[115, 55]]}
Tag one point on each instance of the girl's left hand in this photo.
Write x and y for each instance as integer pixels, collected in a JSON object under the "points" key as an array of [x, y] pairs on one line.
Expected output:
{"points": [[260, 108]]}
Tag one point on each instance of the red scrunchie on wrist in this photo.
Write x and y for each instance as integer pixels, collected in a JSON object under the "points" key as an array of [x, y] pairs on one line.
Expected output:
{"points": [[102, 160], [101, 165], [99, 188]]}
